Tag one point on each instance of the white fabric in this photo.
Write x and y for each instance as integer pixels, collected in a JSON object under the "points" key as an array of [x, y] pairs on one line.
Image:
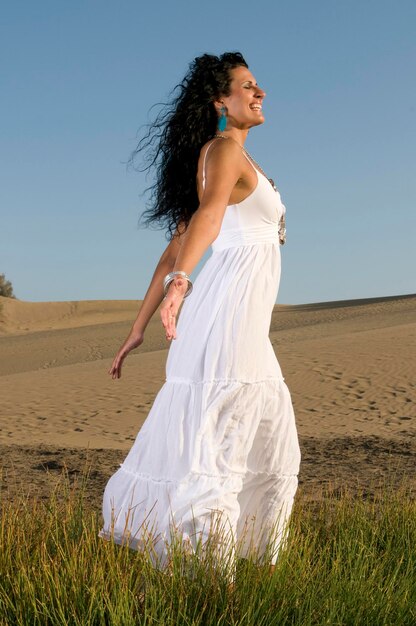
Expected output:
{"points": [[220, 437]]}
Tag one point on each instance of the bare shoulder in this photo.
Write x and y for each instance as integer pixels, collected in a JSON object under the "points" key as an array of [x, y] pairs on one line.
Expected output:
{"points": [[220, 149], [222, 155], [222, 162]]}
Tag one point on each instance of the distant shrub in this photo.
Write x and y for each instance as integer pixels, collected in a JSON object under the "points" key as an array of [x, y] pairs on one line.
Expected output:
{"points": [[6, 288]]}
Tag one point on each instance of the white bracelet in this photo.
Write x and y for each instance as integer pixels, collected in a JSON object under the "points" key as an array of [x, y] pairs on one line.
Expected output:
{"points": [[169, 278]]}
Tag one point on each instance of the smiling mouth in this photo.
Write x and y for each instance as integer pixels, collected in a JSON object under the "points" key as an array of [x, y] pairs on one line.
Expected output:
{"points": [[256, 107]]}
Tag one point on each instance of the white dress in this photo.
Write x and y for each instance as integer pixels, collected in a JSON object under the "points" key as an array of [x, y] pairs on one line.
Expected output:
{"points": [[220, 438]]}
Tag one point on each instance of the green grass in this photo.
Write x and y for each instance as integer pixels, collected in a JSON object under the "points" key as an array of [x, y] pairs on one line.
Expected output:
{"points": [[347, 561]]}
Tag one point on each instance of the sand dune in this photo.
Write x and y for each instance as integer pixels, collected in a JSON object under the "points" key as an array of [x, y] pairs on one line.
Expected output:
{"points": [[17, 316], [349, 365]]}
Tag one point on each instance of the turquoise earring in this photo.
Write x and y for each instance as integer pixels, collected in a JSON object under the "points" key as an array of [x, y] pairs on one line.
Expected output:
{"points": [[222, 122]]}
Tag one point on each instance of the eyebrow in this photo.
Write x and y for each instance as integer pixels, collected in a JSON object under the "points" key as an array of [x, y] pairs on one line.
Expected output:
{"points": [[250, 82]]}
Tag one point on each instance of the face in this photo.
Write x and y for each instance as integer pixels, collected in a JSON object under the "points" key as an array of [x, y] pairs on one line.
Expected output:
{"points": [[244, 103]]}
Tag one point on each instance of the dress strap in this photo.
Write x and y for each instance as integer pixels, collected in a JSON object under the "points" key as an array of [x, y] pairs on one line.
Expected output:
{"points": [[203, 164]]}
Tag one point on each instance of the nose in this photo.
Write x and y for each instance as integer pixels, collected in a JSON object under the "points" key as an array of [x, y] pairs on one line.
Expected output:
{"points": [[260, 93]]}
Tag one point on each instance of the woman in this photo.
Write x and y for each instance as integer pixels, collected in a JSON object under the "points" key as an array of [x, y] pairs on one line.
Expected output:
{"points": [[220, 440]]}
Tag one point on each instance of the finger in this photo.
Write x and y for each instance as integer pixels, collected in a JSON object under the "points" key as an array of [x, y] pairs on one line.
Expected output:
{"points": [[163, 319], [166, 328], [166, 315], [168, 333], [116, 368], [172, 325], [119, 367]]}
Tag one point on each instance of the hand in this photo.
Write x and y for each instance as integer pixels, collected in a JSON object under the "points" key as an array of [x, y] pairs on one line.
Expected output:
{"points": [[134, 340], [171, 304]]}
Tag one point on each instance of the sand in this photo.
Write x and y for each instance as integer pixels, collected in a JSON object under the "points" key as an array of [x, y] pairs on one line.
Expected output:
{"points": [[349, 365]]}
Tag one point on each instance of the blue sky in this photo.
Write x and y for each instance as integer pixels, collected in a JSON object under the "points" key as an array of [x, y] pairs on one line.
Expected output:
{"points": [[78, 80]]}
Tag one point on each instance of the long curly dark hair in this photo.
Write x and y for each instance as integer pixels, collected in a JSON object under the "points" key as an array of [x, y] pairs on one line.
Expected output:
{"points": [[173, 141]]}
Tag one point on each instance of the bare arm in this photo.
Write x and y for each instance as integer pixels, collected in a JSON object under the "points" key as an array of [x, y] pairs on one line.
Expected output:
{"points": [[153, 298], [154, 294], [223, 169]]}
